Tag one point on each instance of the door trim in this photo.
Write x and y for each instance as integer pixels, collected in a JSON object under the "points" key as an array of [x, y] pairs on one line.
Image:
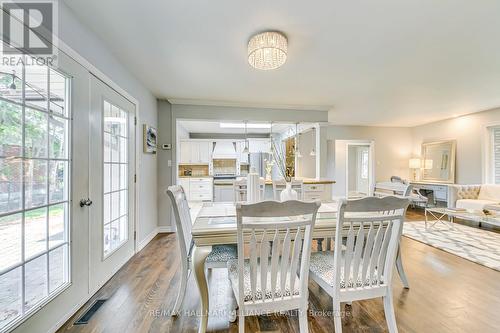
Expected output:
{"points": [[371, 172]]}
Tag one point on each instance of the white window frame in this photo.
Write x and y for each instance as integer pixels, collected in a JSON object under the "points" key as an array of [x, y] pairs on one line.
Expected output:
{"points": [[487, 152]]}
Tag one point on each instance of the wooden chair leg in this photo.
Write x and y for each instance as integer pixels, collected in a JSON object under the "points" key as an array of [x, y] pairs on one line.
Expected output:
{"points": [[337, 317], [390, 317], [401, 270], [303, 324], [182, 289]]}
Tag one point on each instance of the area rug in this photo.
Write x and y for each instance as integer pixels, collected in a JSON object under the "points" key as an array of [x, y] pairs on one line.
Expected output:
{"points": [[476, 245]]}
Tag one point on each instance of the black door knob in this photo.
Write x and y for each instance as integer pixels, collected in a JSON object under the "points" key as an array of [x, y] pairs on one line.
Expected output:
{"points": [[85, 202]]}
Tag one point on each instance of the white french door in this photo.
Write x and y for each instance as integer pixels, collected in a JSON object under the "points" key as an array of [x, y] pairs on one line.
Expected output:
{"points": [[112, 188], [43, 171]]}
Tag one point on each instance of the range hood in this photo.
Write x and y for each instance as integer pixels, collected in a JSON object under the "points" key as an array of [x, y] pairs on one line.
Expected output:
{"points": [[224, 149]]}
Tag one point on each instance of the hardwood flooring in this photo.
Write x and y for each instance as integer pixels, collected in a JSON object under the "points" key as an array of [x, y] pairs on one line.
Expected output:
{"points": [[448, 294]]}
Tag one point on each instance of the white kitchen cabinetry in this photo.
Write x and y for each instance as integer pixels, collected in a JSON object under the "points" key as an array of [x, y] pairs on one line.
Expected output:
{"points": [[195, 152], [197, 189]]}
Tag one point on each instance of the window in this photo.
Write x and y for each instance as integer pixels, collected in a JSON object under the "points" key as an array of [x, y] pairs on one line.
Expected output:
{"points": [[364, 164], [495, 153], [34, 188], [115, 192]]}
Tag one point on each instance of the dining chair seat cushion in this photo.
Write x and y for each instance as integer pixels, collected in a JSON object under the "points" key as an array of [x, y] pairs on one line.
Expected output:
{"points": [[232, 266], [321, 264], [222, 253]]}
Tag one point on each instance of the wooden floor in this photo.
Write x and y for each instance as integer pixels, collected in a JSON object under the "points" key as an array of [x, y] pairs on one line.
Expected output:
{"points": [[448, 294]]}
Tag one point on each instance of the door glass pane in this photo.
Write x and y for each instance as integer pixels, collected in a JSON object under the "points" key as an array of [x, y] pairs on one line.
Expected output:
{"points": [[34, 184], [10, 240], [35, 280], [57, 267], [10, 296], [35, 231], [11, 185], [11, 129], [115, 177]]}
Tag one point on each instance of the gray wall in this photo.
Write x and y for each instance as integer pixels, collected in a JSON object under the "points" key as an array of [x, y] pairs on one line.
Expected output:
{"points": [[469, 132], [88, 45], [392, 148], [165, 173], [307, 164]]}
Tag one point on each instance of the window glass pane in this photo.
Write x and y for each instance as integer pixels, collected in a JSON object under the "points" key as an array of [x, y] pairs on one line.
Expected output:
{"points": [[107, 239], [11, 129], [57, 267], [57, 136], [115, 149], [57, 93], [108, 120], [115, 234], [57, 180], [10, 185], [107, 148], [123, 177], [107, 178], [123, 229], [123, 150], [57, 225], [35, 231], [11, 85], [35, 189], [496, 154], [116, 120], [115, 177], [123, 123], [10, 240], [107, 208], [36, 86], [10, 296], [123, 203], [35, 281], [35, 143], [115, 205]]}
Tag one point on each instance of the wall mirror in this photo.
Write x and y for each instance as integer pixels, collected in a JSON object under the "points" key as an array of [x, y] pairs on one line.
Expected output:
{"points": [[438, 161]]}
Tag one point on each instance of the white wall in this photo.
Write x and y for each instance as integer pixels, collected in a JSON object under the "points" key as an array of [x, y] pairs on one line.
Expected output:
{"points": [[468, 131], [393, 147]]}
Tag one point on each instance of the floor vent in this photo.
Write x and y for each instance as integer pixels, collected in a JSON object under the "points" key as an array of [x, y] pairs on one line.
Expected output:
{"points": [[84, 319]]}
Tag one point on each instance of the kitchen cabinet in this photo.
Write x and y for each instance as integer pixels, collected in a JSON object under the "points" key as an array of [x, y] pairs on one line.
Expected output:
{"points": [[197, 189], [195, 152]]}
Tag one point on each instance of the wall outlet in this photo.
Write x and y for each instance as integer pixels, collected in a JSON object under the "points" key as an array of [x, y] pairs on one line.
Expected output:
{"points": [[169, 163]]}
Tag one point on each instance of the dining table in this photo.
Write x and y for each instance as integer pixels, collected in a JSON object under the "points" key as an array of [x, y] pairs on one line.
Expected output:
{"points": [[215, 224]]}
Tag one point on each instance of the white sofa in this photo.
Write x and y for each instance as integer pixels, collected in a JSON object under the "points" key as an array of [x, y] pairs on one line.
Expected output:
{"points": [[473, 197]]}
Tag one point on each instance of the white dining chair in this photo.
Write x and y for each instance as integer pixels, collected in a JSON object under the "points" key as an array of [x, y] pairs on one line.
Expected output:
{"points": [[216, 259], [240, 189], [363, 267], [265, 280], [280, 184]]}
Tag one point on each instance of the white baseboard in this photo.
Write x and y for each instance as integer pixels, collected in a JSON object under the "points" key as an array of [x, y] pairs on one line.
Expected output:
{"points": [[158, 230], [165, 229]]}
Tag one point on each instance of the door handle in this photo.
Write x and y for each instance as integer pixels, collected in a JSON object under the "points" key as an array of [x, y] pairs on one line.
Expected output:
{"points": [[85, 202]]}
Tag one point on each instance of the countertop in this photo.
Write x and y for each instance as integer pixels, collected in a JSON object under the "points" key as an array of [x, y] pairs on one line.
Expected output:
{"points": [[196, 177], [310, 181]]}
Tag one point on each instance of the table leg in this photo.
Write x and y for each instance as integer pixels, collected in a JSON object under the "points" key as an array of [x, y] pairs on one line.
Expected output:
{"points": [[200, 253]]}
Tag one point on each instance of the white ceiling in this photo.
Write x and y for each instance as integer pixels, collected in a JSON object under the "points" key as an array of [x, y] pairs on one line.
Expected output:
{"points": [[386, 62]]}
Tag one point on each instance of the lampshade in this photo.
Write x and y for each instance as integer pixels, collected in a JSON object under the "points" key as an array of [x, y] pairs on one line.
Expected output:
{"points": [[267, 50], [428, 164], [414, 163]]}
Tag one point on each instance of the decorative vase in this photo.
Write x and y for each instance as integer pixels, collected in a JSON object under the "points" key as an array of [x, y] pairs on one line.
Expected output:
{"points": [[288, 193]]}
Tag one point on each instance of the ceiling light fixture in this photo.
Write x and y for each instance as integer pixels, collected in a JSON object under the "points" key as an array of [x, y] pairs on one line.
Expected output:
{"points": [[267, 50], [246, 150]]}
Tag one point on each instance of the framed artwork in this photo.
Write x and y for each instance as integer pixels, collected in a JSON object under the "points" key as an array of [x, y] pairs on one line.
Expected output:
{"points": [[150, 141]]}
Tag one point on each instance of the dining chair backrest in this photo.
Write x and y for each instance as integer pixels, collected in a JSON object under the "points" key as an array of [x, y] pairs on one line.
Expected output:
{"points": [[384, 189], [373, 233], [182, 217], [278, 236], [240, 189], [280, 185]]}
